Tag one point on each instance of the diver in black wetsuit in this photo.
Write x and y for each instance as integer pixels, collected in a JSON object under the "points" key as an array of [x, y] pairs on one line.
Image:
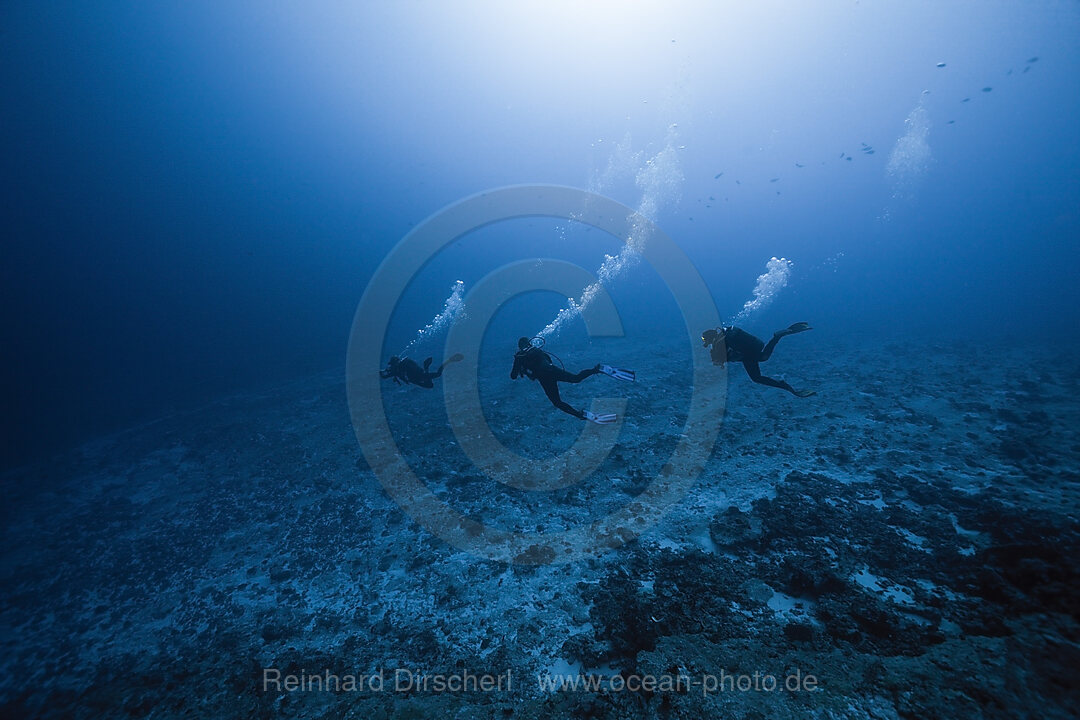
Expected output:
{"points": [[405, 370], [730, 344], [532, 362]]}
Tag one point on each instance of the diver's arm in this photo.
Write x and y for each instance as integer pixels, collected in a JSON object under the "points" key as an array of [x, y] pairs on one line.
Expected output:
{"points": [[516, 370], [718, 355]]}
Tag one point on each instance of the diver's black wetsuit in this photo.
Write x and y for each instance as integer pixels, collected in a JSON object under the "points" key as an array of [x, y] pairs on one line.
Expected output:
{"points": [[406, 370], [749, 350], [535, 364]]}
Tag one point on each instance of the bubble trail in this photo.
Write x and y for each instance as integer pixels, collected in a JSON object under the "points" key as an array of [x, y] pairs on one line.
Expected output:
{"points": [[911, 155], [659, 180], [768, 285], [452, 308]]}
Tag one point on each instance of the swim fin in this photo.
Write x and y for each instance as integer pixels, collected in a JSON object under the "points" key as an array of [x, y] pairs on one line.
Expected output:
{"points": [[427, 364], [619, 373], [804, 393], [606, 419], [456, 357]]}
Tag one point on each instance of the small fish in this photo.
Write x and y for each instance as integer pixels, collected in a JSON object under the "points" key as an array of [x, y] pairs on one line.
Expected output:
{"points": [[951, 122], [773, 179], [849, 158], [1033, 59], [777, 192], [864, 145], [712, 198], [987, 89], [941, 64], [966, 100], [798, 165], [869, 152], [841, 154], [1026, 68], [717, 176], [738, 183], [1010, 72]]}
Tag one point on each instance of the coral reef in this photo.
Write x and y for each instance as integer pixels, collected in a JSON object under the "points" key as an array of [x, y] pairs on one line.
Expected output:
{"points": [[907, 538]]}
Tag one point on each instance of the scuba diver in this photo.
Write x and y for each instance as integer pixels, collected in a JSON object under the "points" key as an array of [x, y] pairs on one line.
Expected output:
{"points": [[532, 362], [405, 370], [734, 345]]}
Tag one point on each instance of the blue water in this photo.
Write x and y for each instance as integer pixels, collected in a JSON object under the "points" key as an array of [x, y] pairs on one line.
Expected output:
{"points": [[197, 196]]}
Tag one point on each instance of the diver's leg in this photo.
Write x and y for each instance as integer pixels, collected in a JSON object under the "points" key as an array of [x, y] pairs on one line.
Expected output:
{"points": [[564, 376], [790, 330], [588, 372], [456, 357], [425, 382], [551, 388], [754, 371], [766, 352]]}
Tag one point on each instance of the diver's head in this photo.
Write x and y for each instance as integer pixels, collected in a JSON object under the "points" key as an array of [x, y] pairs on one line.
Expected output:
{"points": [[713, 336], [394, 360], [523, 343]]}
